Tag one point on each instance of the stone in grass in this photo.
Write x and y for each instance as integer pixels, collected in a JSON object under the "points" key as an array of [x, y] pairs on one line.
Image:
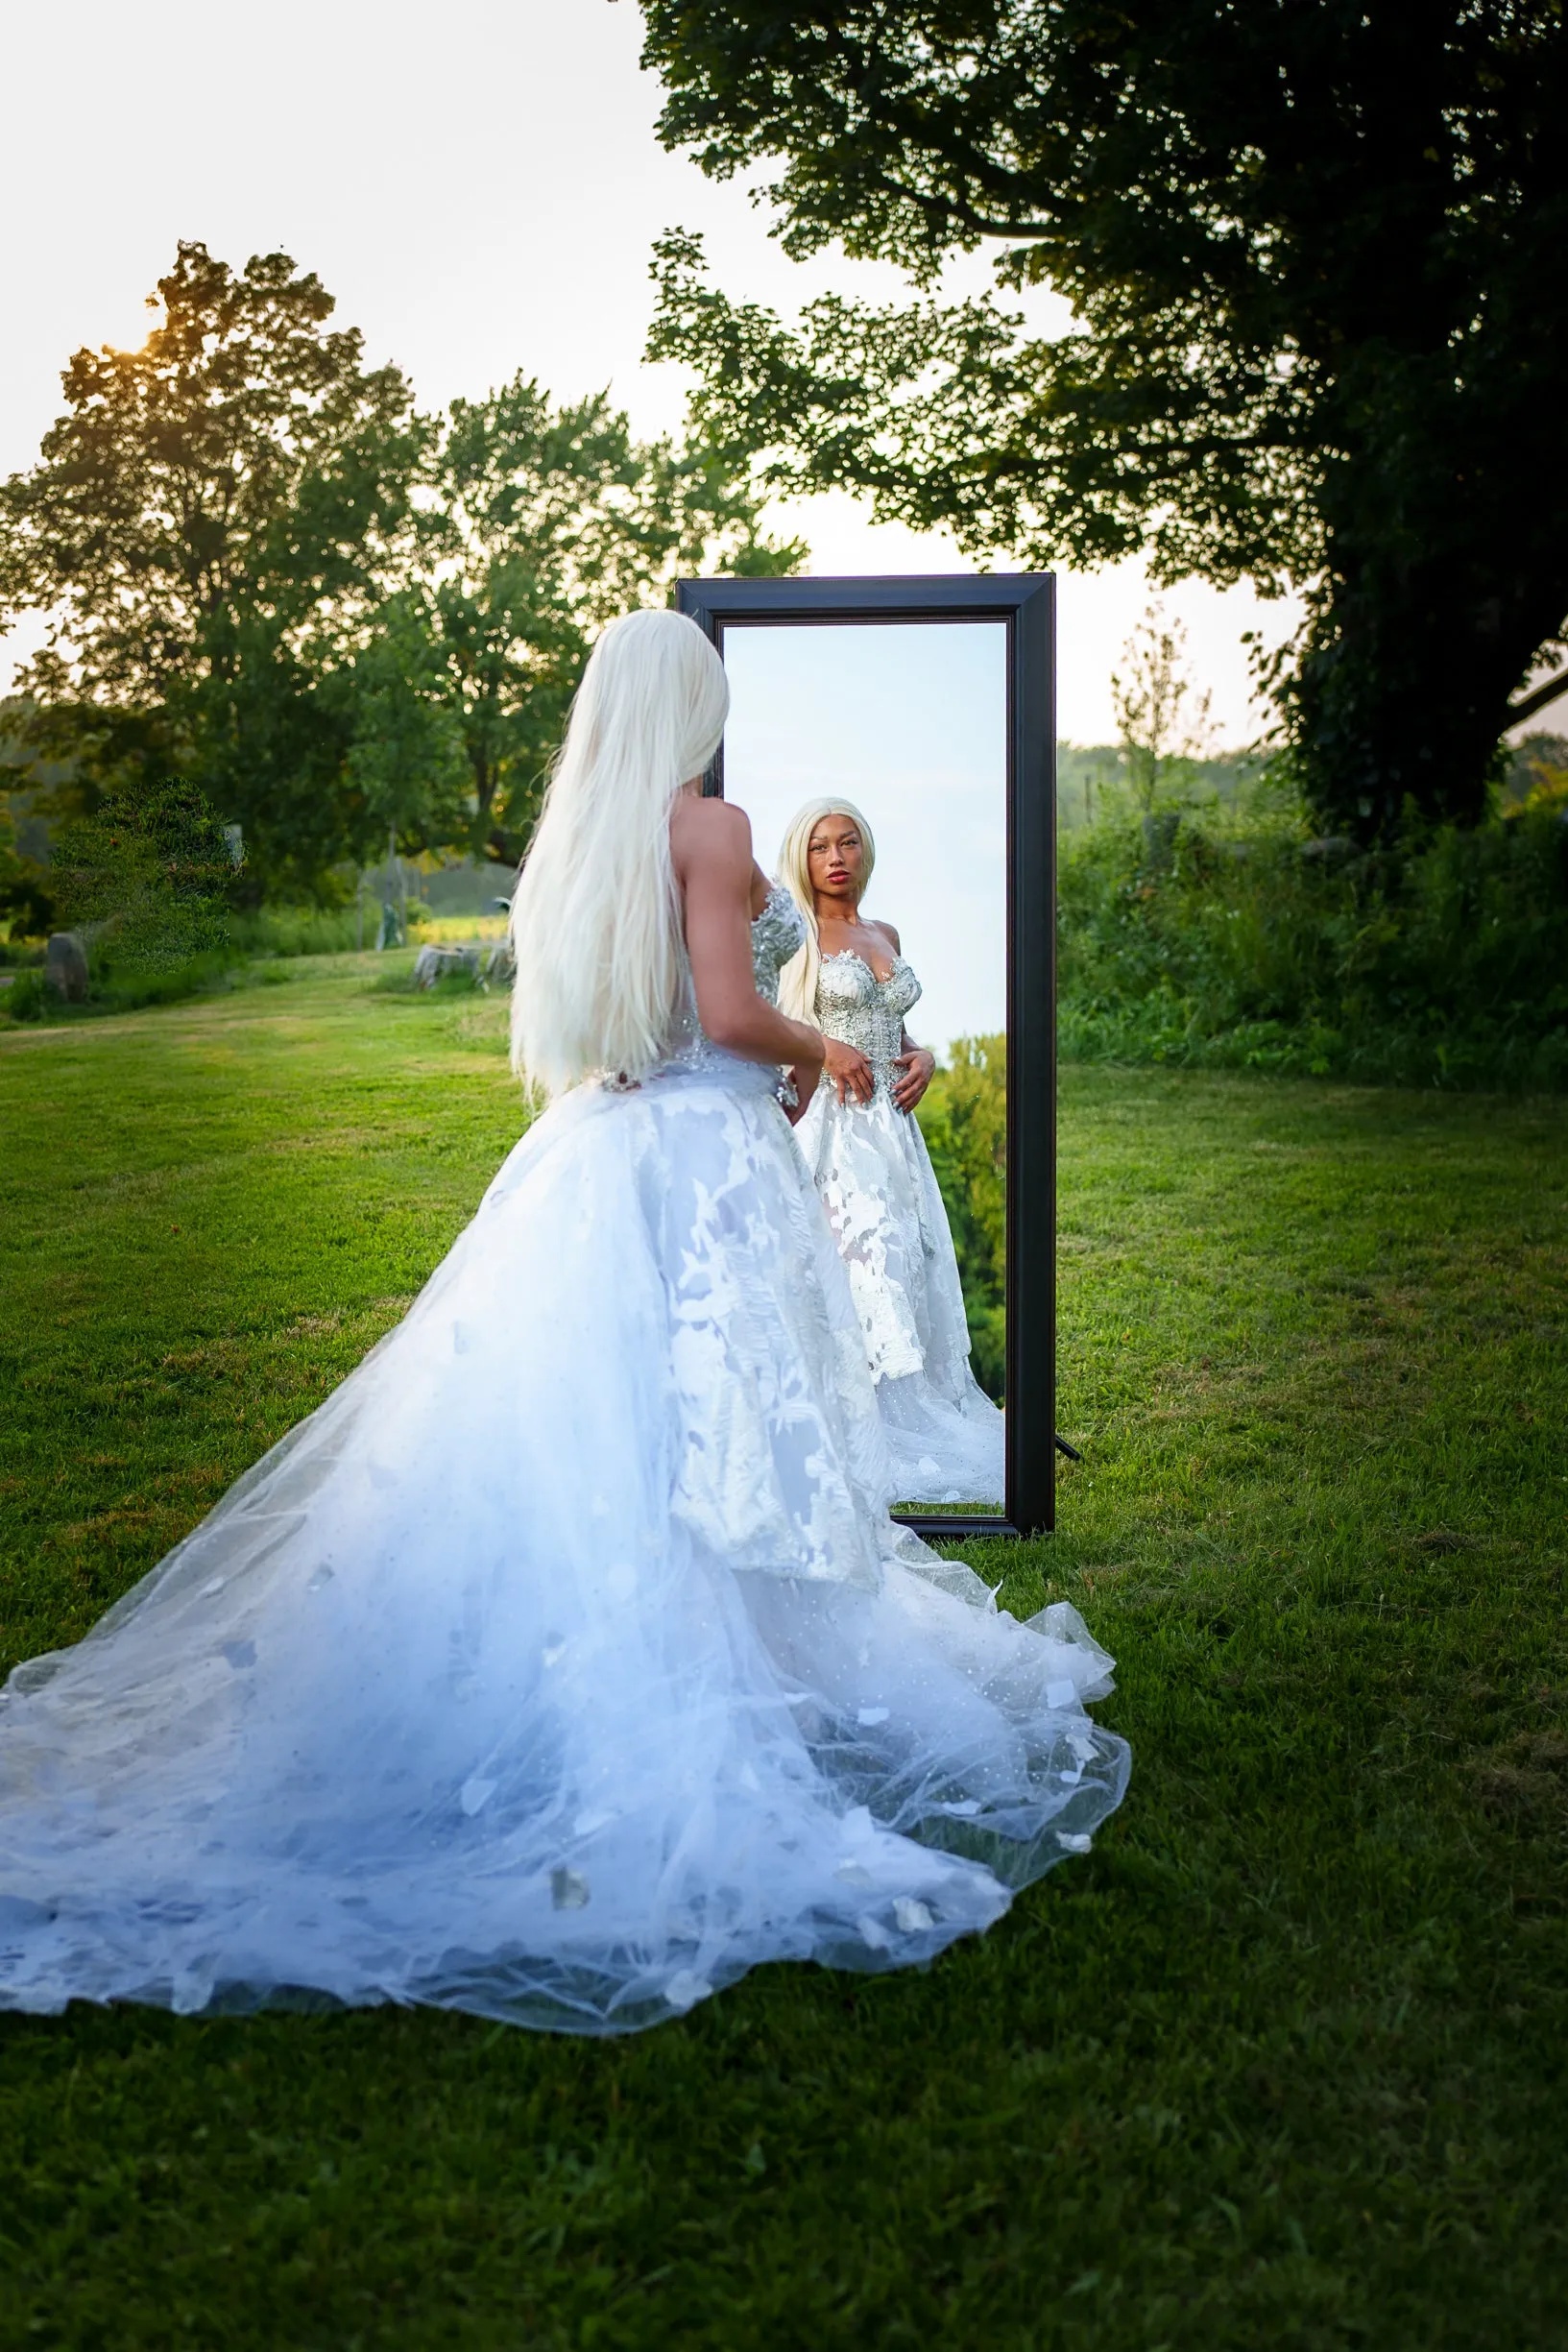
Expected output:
{"points": [[433, 964], [65, 968]]}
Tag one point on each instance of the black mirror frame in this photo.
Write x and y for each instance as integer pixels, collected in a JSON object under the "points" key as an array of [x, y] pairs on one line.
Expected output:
{"points": [[1026, 602]]}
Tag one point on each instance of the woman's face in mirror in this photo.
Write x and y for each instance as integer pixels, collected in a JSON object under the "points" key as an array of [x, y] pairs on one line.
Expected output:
{"points": [[835, 861]]}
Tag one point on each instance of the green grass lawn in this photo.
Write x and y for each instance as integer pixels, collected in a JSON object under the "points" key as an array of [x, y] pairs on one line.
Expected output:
{"points": [[1282, 2064]]}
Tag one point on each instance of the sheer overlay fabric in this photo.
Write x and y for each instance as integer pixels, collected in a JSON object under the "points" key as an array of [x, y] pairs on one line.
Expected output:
{"points": [[565, 1664]]}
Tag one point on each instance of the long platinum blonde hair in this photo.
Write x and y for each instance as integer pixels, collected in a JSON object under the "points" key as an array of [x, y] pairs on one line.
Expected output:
{"points": [[798, 980], [595, 924]]}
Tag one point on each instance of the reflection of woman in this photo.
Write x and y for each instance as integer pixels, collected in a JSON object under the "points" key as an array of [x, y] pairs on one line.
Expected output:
{"points": [[869, 1160], [565, 1664]]}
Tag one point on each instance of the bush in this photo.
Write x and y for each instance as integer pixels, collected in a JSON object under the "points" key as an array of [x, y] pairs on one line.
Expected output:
{"points": [[1184, 938], [145, 881], [964, 1120], [303, 931], [26, 999], [132, 988], [127, 989]]}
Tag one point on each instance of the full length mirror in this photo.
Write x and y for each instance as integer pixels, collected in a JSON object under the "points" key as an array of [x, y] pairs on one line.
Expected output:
{"points": [[874, 750], [901, 728]]}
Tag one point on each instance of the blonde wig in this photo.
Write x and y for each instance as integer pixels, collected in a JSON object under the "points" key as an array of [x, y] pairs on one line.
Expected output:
{"points": [[595, 924], [798, 980]]}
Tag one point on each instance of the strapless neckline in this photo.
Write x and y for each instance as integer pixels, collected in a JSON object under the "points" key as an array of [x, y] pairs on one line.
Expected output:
{"points": [[853, 955]]}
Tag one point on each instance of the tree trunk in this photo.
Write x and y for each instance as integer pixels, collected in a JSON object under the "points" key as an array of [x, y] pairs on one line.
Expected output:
{"points": [[1403, 690]]}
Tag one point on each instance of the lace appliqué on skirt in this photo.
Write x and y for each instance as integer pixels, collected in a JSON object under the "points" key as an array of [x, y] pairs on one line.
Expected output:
{"points": [[565, 1664]]}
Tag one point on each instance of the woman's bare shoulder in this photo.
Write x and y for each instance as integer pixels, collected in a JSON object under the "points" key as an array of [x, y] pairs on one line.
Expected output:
{"points": [[710, 832], [887, 931]]}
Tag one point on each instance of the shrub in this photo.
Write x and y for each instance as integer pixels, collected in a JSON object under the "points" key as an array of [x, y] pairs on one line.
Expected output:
{"points": [[26, 999], [303, 931], [145, 880], [964, 1120], [1444, 962]]}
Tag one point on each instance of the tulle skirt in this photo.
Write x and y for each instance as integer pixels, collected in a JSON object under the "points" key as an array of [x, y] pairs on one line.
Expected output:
{"points": [[564, 1665], [875, 1178]]}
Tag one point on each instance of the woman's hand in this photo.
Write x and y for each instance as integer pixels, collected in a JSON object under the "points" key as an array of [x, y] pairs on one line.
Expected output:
{"points": [[919, 1067], [804, 1072], [850, 1071], [805, 1084]]}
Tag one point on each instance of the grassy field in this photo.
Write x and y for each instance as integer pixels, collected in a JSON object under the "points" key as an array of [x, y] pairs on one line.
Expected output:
{"points": [[1282, 2064]]}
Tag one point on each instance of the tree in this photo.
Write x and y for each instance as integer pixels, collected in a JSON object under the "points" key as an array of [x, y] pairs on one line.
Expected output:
{"points": [[24, 896], [1148, 694], [405, 758], [210, 520], [538, 525], [345, 622], [1309, 248], [1538, 777]]}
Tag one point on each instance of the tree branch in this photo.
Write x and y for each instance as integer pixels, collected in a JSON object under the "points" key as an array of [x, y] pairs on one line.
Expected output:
{"points": [[941, 208], [1536, 699]]}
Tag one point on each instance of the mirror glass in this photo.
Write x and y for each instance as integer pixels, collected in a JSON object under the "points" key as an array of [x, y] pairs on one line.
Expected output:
{"points": [[908, 723]]}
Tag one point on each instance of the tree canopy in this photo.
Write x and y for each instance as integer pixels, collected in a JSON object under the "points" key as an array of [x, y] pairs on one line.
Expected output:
{"points": [[212, 520], [242, 463], [1311, 249], [537, 526], [268, 574]]}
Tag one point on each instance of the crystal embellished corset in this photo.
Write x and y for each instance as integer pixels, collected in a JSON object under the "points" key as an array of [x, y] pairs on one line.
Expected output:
{"points": [[860, 1010], [776, 934]]}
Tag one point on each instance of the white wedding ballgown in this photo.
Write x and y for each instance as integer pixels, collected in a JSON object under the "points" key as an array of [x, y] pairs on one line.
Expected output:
{"points": [[875, 1178], [564, 1664]]}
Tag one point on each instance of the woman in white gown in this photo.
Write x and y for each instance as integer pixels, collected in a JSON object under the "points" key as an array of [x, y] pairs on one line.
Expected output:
{"points": [[868, 1159], [565, 1664]]}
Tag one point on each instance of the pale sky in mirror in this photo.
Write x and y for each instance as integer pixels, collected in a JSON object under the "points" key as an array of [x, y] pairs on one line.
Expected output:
{"points": [[479, 186], [909, 723]]}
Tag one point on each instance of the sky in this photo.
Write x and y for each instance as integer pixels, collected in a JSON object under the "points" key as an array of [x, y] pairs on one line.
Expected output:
{"points": [[479, 185], [910, 723]]}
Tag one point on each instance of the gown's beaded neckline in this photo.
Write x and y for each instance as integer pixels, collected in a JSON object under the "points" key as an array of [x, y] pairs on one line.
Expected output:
{"points": [[879, 979], [861, 1009]]}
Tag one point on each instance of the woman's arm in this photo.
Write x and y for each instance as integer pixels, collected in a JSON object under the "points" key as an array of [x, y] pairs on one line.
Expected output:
{"points": [[710, 848]]}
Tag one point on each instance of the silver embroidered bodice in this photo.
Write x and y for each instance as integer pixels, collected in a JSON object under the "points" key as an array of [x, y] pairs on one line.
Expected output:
{"points": [[860, 1010], [776, 934]]}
